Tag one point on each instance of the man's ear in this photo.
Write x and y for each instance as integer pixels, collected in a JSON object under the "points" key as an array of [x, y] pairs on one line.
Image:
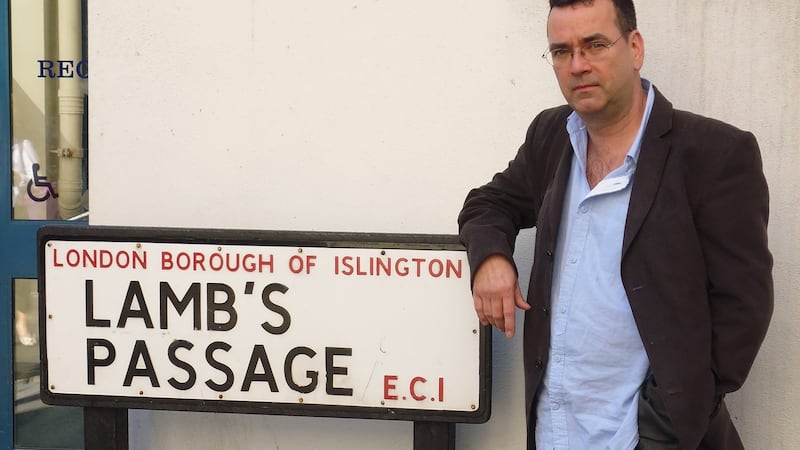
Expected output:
{"points": [[636, 45]]}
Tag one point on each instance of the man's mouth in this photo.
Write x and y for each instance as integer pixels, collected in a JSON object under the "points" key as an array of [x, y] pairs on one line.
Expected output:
{"points": [[583, 87]]}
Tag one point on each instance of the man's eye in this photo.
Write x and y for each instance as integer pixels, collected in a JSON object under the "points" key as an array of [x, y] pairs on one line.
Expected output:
{"points": [[559, 52], [596, 46]]}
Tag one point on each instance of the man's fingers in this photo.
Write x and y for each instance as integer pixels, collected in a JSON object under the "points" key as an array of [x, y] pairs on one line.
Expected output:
{"points": [[498, 312], [520, 301], [497, 317], [496, 294], [508, 316], [478, 303]]}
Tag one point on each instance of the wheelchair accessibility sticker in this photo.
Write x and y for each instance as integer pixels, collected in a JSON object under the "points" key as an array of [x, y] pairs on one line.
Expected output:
{"points": [[40, 181]]}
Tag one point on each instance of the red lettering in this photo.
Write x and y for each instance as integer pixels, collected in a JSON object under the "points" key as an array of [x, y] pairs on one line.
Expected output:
{"points": [[73, 258], [452, 268], [247, 264], [359, 271], [436, 273], [412, 390], [105, 259], [55, 259], [166, 261], [215, 262], [385, 265], [232, 262], [387, 386], [140, 259], [90, 258], [265, 262], [348, 267], [102, 259], [184, 261], [419, 262], [199, 260], [401, 270], [123, 260], [295, 264]]}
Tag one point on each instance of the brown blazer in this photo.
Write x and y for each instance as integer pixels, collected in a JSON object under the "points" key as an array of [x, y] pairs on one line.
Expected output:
{"points": [[695, 262]]}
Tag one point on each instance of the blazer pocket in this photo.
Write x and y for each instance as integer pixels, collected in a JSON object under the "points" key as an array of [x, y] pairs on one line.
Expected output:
{"points": [[655, 426]]}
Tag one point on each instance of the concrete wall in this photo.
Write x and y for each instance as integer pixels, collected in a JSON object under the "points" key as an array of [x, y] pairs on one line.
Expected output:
{"points": [[379, 116]]}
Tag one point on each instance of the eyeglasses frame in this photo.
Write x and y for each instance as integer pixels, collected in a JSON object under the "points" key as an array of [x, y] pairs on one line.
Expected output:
{"points": [[548, 57]]}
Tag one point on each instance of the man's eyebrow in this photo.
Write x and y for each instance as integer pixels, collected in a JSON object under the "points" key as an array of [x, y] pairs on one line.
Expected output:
{"points": [[583, 40], [595, 37]]}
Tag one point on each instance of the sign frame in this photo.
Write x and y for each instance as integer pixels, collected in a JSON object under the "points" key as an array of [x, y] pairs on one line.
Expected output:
{"points": [[226, 237]]}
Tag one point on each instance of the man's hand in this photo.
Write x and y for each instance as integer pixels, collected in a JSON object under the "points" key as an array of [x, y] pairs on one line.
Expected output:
{"points": [[495, 292]]}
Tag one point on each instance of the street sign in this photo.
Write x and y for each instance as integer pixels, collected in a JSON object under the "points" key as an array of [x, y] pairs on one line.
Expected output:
{"points": [[324, 324]]}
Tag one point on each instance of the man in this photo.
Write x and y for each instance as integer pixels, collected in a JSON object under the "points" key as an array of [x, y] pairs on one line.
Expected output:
{"points": [[651, 289]]}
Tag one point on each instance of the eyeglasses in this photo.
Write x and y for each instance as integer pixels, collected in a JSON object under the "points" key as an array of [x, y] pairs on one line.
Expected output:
{"points": [[590, 51]]}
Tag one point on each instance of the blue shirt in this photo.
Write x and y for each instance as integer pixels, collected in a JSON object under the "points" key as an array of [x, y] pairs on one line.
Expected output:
{"points": [[588, 397]]}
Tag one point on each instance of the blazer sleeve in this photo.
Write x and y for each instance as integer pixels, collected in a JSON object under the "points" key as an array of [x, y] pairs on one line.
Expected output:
{"points": [[732, 226], [494, 213]]}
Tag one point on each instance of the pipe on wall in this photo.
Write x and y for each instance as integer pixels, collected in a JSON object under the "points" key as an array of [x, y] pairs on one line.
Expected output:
{"points": [[70, 110]]}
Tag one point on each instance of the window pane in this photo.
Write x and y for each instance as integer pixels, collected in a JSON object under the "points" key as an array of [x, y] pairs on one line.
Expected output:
{"points": [[36, 425], [48, 110]]}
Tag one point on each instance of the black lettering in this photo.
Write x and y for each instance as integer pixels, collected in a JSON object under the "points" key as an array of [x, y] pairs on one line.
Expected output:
{"points": [[82, 69], [214, 346], [65, 68], [259, 355], [311, 374], [46, 65], [331, 370], [280, 310], [140, 352], [168, 296], [90, 320], [173, 358], [227, 306], [92, 361], [134, 292]]}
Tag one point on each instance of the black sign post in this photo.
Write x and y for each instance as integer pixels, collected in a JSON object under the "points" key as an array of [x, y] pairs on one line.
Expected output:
{"points": [[434, 436], [105, 428]]}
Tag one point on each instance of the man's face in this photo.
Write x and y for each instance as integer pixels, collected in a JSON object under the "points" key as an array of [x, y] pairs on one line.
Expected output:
{"points": [[604, 86]]}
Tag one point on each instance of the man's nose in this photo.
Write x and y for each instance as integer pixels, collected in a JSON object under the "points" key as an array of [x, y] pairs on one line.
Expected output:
{"points": [[578, 62]]}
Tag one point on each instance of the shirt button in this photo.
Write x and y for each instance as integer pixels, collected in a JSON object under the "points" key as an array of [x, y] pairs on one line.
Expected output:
{"points": [[573, 260], [557, 358], [583, 209], [563, 310], [555, 406]]}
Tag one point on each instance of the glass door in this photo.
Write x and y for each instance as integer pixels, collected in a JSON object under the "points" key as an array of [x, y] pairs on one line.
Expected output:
{"points": [[43, 179]]}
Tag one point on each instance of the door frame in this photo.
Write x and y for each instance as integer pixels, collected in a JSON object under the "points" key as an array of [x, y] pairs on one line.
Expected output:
{"points": [[17, 240]]}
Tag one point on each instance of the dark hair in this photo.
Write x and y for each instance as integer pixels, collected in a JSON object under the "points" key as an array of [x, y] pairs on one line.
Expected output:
{"points": [[626, 13]]}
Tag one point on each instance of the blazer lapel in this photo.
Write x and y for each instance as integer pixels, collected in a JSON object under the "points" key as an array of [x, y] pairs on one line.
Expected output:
{"points": [[649, 167], [554, 198]]}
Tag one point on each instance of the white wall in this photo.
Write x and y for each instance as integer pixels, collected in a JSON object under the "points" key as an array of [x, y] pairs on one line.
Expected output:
{"points": [[378, 116]]}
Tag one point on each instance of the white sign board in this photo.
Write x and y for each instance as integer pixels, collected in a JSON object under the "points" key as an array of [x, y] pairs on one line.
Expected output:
{"points": [[216, 323]]}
